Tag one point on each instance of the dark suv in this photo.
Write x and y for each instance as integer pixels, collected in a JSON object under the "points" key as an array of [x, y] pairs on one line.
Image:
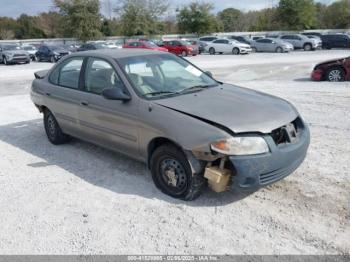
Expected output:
{"points": [[335, 41], [51, 53]]}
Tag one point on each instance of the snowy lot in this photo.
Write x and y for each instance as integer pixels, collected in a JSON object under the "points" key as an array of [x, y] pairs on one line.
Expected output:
{"points": [[82, 199]]}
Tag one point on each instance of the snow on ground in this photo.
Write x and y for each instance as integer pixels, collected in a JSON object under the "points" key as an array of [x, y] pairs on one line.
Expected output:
{"points": [[82, 199]]}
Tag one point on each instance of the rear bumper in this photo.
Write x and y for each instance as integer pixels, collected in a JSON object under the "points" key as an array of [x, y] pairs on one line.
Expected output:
{"points": [[253, 172], [317, 75]]}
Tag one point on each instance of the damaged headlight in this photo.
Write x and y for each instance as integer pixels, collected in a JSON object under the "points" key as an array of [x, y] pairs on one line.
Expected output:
{"points": [[237, 146]]}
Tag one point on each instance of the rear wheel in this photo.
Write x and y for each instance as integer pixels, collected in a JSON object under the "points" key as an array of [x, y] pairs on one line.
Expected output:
{"points": [[212, 51], [53, 130], [184, 53], [235, 51], [335, 74], [171, 173], [279, 50]]}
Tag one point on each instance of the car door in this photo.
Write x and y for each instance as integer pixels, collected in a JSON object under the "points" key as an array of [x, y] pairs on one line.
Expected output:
{"points": [[217, 45], [110, 123], [226, 47], [261, 45], [178, 47], [62, 94]]}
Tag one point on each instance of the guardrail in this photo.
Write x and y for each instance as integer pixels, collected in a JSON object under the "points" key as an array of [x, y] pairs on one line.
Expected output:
{"points": [[123, 39]]}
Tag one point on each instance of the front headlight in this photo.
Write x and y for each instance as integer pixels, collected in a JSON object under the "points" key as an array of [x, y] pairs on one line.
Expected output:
{"points": [[237, 146]]}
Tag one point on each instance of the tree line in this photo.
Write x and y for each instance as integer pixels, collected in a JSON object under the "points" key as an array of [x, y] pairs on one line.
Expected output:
{"points": [[82, 19]]}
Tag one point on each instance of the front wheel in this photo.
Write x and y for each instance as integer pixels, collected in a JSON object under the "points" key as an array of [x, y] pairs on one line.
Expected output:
{"points": [[336, 74], [53, 130], [307, 47], [279, 50], [212, 51], [235, 51], [171, 173]]}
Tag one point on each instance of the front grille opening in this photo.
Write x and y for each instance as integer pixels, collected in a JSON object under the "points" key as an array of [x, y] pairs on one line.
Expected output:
{"points": [[288, 133]]}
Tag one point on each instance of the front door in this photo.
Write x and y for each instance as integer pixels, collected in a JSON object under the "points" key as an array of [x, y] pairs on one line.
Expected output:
{"points": [[110, 123]]}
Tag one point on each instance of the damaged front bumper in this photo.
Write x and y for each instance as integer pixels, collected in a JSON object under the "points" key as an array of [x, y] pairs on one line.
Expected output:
{"points": [[252, 172]]}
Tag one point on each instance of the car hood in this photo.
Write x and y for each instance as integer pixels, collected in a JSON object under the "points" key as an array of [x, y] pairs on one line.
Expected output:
{"points": [[239, 109], [243, 45], [15, 52], [333, 61]]}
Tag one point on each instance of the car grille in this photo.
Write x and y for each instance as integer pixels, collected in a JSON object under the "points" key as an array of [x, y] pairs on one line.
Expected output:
{"points": [[287, 134], [276, 175]]}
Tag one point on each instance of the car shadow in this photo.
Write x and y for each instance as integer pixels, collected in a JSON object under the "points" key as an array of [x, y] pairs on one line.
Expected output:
{"points": [[98, 166], [303, 79]]}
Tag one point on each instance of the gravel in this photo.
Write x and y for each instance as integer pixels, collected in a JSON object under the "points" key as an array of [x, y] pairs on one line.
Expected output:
{"points": [[82, 199]]}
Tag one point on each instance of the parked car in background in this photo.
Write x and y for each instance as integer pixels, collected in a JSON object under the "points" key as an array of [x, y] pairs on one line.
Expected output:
{"points": [[199, 44], [317, 39], [51, 53], [300, 41], [224, 45], [241, 38], [271, 45], [92, 46], [336, 70], [335, 41], [143, 103], [208, 39], [31, 51], [181, 47], [144, 45], [13, 54]]}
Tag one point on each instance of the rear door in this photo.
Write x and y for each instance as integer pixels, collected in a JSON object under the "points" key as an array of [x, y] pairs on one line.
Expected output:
{"points": [[62, 95], [110, 123]]}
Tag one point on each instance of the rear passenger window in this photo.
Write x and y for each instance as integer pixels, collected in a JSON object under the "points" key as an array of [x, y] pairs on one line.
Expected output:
{"points": [[68, 74]]}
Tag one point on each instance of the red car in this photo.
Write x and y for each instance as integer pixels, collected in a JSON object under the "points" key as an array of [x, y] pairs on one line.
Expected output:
{"points": [[180, 47], [144, 45], [337, 70]]}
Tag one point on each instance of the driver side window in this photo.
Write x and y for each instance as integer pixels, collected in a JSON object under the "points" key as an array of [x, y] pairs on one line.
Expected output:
{"points": [[100, 75]]}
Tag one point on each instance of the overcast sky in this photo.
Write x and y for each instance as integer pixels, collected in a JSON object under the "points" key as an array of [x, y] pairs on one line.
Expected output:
{"points": [[14, 8]]}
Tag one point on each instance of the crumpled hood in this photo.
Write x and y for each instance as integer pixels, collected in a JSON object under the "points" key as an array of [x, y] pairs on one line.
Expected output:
{"points": [[239, 109]]}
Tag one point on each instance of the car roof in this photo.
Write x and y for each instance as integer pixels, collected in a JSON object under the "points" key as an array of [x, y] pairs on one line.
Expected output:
{"points": [[118, 53]]}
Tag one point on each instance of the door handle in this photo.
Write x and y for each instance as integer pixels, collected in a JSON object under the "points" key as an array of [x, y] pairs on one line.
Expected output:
{"points": [[84, 103]]}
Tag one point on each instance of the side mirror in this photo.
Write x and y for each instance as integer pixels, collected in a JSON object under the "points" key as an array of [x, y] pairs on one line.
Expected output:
{"points": [[209, 73], [115, 94]]}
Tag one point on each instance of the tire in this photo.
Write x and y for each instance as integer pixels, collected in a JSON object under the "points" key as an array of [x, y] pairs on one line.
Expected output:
{"points": [[307, 47], [235, 51], [38, 59], [279, 50], [212, 51], [183, 53], [335, 74], [171, 173], [52, 59], [5, 61], [254, 50], [28, 62], [53, 130]]}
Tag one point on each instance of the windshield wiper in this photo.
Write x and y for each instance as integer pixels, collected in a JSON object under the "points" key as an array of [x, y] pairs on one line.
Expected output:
{"points": [[159, 93], [192, 88]]}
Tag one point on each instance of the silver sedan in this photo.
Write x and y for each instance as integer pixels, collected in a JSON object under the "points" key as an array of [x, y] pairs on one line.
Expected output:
{"points": [[272, 45]]}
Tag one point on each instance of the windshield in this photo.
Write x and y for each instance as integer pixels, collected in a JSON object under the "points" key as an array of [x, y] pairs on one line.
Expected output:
{"points": [[185, 43], [29, 48], [150, 44], [164, 74], [11, 47]]}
